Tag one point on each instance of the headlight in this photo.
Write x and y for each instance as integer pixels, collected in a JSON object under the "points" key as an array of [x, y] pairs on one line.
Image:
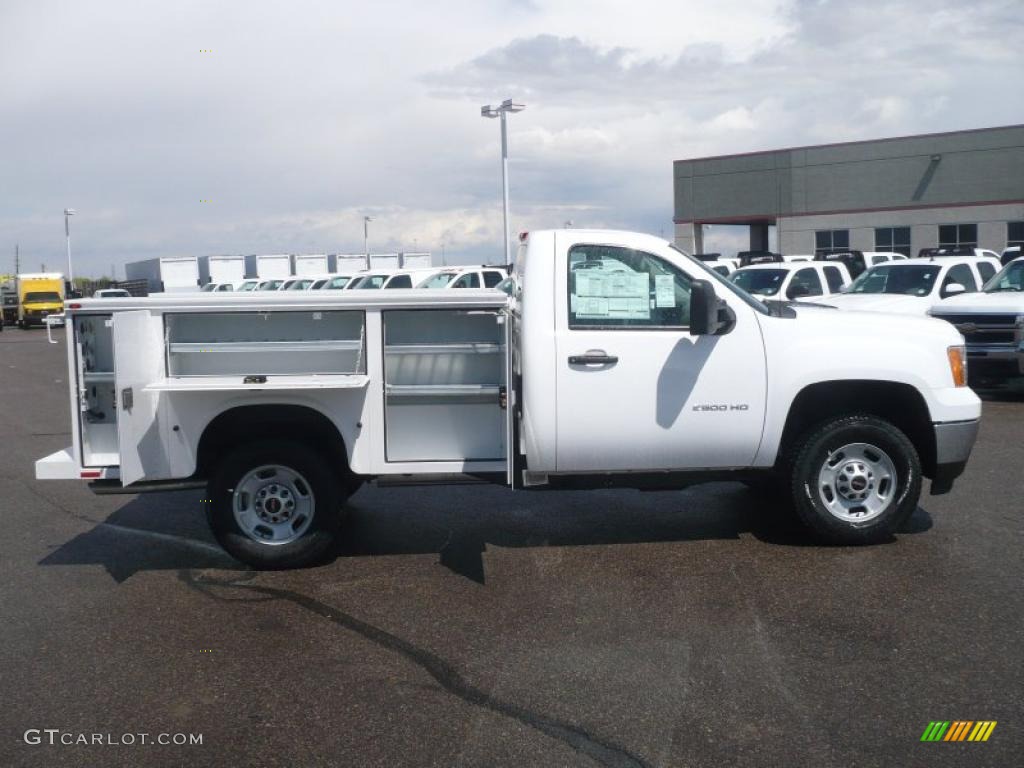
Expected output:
{"points": [[958, 365]]}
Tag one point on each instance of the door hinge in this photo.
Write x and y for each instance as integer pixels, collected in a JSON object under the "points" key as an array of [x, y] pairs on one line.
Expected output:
{"points": [[127, 398], [503, 398]]}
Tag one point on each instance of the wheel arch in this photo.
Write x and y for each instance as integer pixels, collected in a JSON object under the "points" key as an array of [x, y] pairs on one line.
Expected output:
{"points": [[243, 423], [898, 403]]}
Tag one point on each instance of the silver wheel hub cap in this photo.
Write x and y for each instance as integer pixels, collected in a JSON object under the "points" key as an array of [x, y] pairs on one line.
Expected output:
{"points": [[273, 504], [857, 482]]}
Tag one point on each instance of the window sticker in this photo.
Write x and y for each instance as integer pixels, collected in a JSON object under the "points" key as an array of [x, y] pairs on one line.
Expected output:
{"points": [[664, 291], [619, 295]]}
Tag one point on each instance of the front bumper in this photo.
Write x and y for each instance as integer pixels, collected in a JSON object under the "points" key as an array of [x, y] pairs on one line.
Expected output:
{"points": [[953, 444]]}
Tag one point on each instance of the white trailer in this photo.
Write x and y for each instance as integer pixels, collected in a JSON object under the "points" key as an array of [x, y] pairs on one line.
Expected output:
{"points": [[273, 266], [222, 269], [166, 274], [617, 361], [416, 260], [311, 264], [349, 263], [380, 261]]}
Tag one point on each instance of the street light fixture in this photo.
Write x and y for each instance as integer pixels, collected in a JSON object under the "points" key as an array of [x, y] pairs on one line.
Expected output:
{"points": [[366, 238], [68, 213], [502, 110]]}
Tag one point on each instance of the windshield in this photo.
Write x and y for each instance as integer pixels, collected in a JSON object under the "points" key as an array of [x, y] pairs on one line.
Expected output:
{"points": [[760, 282], [372, 281], [41, 296], [248, 285], [208, 287], [270, 285], [907, 280], [440, 280], [299, 285], [336, 283], [1011, 278]]}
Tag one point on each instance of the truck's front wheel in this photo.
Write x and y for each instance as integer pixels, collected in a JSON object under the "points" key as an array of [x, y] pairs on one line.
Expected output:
{"points": [[275, 504], [856, 479]]}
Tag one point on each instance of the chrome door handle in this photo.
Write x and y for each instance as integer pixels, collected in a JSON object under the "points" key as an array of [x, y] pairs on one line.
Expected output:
{"points": [[593, 357]]}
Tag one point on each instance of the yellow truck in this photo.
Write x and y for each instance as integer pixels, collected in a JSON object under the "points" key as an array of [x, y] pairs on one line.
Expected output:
{"points": [[40, 294]]}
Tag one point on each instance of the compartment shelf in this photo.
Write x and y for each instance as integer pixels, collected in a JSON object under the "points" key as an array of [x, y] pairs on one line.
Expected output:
{"points": [[237, 383], [328, 345], [419, 390], [101, 376], [464, 348]]}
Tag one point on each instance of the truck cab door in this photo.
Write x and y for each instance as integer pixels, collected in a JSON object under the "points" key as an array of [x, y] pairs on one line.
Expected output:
{"points": [[636, 391], [139, 362]]}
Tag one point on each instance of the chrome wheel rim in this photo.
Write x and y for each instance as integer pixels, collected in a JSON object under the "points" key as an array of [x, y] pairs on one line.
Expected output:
{"points": [[273, 504], [857, 482]]}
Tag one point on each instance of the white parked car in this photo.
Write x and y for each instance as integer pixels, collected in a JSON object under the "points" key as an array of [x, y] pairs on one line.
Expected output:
{"points": [[111, 293], [217, 287], [296, 284], [270, 285], [247, 285], [465, 277], [913, 286], [792, 280]]}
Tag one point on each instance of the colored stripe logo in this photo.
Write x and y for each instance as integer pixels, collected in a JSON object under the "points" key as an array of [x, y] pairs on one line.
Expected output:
{"points": [[958, 730]]}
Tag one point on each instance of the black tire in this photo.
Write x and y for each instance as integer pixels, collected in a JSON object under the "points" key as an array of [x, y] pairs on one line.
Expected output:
{"points": [[823, 444], [327, 492]]}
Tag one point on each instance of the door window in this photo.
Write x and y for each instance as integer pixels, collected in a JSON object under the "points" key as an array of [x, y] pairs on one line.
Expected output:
{"points": [[468, 280], [986, 271], [491, 278], [834, 278], [959, 273], [614, 287], [400, 281], [804, 283]]}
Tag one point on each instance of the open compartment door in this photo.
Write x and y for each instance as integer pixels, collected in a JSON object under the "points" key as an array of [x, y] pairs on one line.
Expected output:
{"points": [[511, 402], [139, 361]]}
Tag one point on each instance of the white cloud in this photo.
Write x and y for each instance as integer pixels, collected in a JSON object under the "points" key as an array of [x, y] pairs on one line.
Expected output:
{"points": [[307, 114]]}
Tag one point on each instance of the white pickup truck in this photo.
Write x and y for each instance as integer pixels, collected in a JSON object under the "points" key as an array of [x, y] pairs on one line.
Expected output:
{"points": [[992, 322], [618, 361]]}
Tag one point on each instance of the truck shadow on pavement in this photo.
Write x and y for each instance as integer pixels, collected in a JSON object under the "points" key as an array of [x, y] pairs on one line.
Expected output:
{"points": [[168, 531]]}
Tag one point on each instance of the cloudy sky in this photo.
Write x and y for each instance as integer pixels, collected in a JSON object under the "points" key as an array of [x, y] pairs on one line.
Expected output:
{"points": [[293, 120]]}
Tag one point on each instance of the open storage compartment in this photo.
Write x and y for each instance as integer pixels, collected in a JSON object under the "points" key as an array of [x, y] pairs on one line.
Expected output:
{"points": [[233, 345], [444, 385], [94, 351]]}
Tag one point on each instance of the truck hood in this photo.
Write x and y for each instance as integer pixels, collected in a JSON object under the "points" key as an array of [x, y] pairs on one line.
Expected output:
{"points": [[881, 302], [1003, 302], [831, 323]]}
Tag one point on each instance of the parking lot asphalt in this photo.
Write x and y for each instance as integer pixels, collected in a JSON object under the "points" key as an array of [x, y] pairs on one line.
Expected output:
{"points": [[474, 626]]}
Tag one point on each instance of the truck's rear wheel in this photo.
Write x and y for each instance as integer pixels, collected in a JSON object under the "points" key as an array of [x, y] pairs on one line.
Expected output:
{"points": [[275, 504], [856, 480]]}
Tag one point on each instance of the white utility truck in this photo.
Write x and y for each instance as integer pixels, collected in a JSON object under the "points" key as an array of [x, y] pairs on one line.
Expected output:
{"points": [[617, 361]]}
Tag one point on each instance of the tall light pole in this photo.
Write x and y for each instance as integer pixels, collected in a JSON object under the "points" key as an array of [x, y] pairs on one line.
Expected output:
{"points": [[68, 213], [502, 110], [366, 238]]}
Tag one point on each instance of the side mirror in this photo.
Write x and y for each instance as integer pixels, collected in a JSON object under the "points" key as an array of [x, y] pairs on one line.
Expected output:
{"points": [[953, 289], [709, 315]]}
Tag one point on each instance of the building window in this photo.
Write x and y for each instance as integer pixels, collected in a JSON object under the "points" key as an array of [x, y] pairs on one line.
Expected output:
{"points": [[831, 241], [952, 235], [893, 239], [1015, 234]]}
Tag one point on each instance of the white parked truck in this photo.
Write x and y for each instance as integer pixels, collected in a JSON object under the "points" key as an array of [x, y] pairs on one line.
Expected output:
{"points": [[617, 361], [992, 322]]}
